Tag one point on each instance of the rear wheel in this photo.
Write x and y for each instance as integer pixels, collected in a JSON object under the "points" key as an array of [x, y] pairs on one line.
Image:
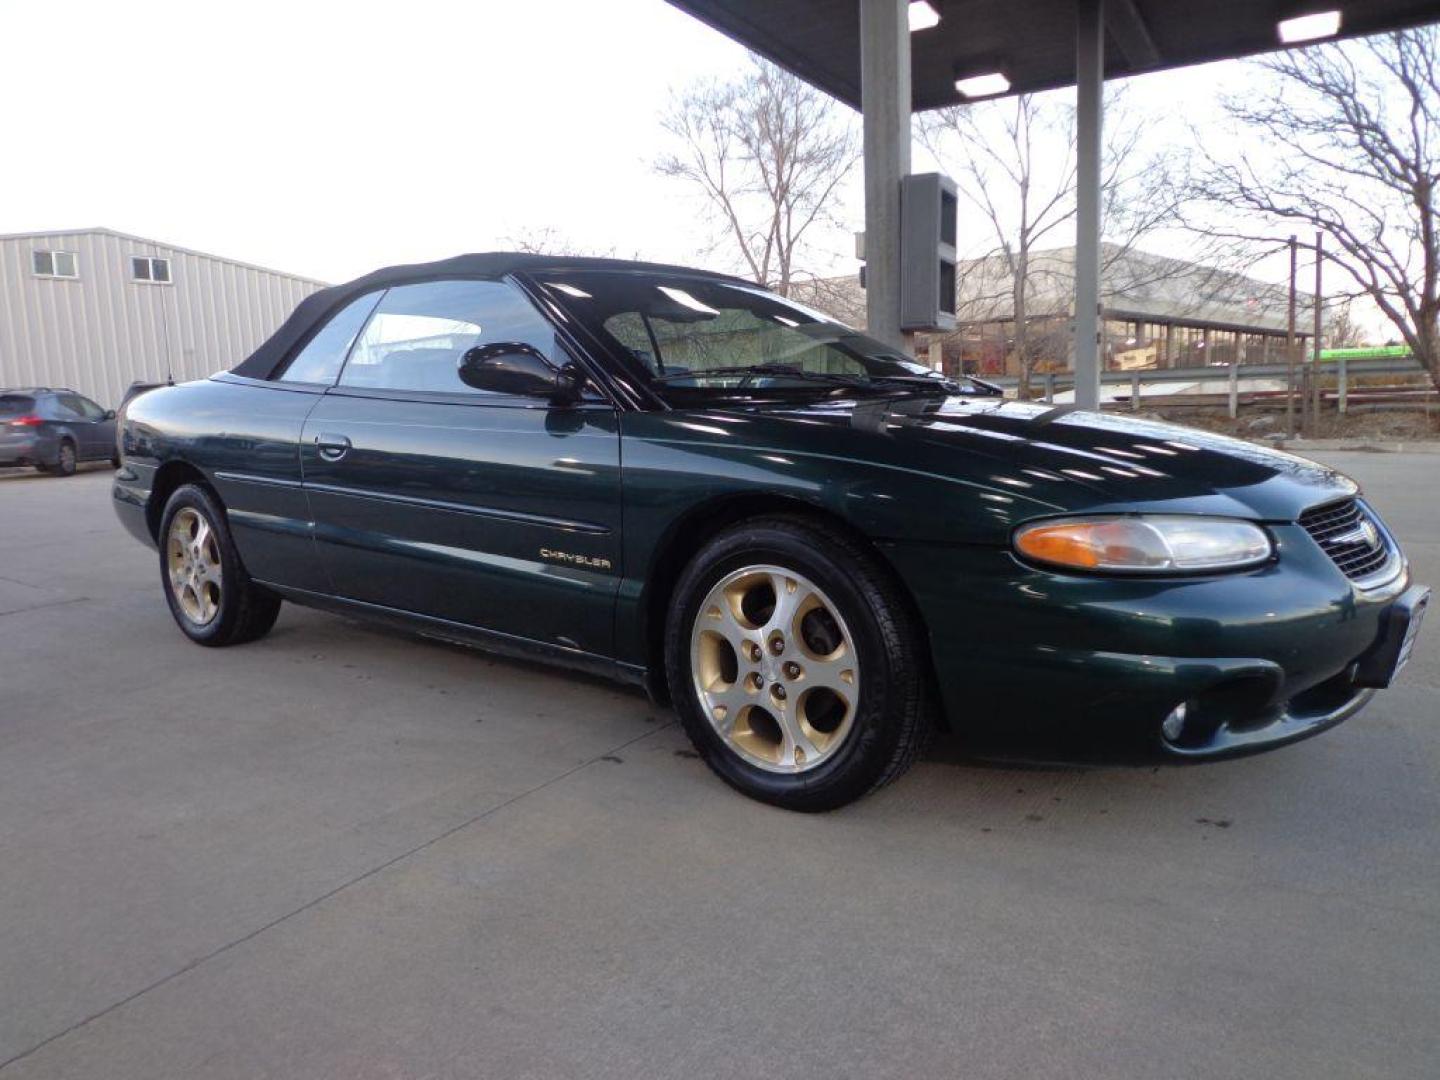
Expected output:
{"points": [[64, 460], [212, 598], [795, 666]]}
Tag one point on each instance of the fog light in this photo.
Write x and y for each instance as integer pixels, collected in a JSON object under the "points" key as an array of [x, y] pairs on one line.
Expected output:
{"points": [[1174, 724]]}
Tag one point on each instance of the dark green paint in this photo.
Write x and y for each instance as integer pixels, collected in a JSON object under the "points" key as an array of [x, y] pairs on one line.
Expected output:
{"points": [[443, 509]]}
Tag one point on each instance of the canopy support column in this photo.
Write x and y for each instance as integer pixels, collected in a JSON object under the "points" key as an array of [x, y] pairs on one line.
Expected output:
{"points": [[1089, 121], [885, 104]]}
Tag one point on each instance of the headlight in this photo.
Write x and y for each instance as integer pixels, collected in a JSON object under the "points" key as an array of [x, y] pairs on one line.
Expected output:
{"points": [[1140, 545]]}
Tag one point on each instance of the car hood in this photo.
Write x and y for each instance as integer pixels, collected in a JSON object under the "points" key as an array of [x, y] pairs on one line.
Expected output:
{"points": [[1063, 459]]}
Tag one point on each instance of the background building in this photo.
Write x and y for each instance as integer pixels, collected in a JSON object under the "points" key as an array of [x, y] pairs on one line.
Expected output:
{"points": [[95, 310], [1158, 312]]}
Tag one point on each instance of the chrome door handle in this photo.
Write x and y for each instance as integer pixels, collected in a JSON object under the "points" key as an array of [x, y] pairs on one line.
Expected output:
{"points": [[332, 447]]}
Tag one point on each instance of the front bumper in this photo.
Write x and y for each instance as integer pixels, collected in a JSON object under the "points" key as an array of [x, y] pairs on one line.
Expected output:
{"points": [[1262, 658]]}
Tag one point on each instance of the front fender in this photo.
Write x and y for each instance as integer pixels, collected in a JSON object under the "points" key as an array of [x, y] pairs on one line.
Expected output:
{"points": [[680, 469], [675, 461]]}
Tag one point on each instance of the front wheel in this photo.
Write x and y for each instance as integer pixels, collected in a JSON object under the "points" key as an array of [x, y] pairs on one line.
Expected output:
{"points": [[213, 600], [795, 665]]}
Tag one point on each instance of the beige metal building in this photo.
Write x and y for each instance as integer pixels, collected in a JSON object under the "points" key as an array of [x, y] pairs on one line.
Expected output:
{"points": [[95, 310]]}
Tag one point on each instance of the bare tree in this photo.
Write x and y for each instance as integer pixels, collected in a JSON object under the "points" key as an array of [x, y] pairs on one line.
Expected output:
{"points": [[548, 240], [767, 152], [1009, 171], [1344, 331], [1015, 162], [1348, 144]]}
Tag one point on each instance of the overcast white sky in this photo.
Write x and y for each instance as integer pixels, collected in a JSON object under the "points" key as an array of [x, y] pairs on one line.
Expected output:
{"points": [[327, 139]]}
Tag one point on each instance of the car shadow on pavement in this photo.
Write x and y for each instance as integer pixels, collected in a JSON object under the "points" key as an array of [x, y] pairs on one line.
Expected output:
{"points": [[1043, 748], [985, 771], [1038, 748], [481, 655]]}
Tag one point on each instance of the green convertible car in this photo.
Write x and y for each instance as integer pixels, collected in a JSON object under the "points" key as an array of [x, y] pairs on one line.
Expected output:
{"points": [[816, 548]]}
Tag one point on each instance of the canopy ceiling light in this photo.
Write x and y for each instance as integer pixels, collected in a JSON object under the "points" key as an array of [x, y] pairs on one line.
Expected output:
{"points": [[923, 15], [990, 84], [1313, 27]]}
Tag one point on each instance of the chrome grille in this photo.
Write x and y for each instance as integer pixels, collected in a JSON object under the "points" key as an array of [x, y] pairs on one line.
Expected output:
{"points": [[1350, 536]]}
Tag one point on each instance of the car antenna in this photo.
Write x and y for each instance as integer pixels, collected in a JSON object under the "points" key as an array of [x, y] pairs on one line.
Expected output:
{"points": [[165, 339]]}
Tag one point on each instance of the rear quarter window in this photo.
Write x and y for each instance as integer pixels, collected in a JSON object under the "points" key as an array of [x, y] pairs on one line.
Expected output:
{"points": [[320, 359]]}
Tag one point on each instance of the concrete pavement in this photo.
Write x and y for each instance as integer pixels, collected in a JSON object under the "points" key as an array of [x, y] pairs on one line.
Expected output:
{"points": [[345, 852]]}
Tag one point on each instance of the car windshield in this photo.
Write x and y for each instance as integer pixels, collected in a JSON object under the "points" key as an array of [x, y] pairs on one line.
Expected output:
{"points": [[702, 337], [16, 404]]}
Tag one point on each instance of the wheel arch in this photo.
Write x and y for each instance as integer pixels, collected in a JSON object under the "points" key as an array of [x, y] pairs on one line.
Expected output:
{"points": [[62, 437], [689, 533], [170, 476]]}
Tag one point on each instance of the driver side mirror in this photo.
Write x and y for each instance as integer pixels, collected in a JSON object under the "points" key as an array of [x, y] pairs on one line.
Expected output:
{"points": [[513, 367], [109, 415]]}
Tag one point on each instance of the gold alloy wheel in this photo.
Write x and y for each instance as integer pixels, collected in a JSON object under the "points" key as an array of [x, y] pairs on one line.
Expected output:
{"points": [[775, 668], [192, 556]]}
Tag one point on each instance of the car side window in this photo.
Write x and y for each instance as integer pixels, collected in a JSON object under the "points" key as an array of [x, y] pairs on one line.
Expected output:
{"points": [[85, 407], [67, 407], [418, 334], [319, 361]]}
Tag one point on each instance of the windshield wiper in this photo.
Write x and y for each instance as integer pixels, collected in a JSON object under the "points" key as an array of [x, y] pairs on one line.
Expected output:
{"points": [[940, 382], [923, 382], [779, 371], [935, 383], [990, 388]]}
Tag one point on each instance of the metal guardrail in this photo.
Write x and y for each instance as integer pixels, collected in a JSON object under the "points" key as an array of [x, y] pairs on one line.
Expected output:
{"points": [[1064, 380], [1341, 369]]}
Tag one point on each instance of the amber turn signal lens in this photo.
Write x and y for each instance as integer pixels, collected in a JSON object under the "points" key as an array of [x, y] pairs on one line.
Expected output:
{"points": [[1145, 544], [1064, 545]]}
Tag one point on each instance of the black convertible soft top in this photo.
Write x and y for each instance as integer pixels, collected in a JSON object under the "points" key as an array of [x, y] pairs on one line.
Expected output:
{"points": [[263, 362]]}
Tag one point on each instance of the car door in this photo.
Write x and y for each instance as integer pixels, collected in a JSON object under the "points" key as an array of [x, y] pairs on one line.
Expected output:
{"points": [[429, 496], [98, 427], [70, 412], [252, 449]]}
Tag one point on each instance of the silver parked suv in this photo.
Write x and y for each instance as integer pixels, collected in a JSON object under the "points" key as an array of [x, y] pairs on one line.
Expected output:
{"points": [[54, 430]]}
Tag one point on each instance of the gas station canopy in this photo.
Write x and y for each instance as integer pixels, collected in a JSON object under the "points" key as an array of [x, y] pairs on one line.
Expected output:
{"points": [[1032, 42], [889, 58]]}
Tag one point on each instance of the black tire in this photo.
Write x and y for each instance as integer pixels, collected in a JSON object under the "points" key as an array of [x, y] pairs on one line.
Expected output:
{"points": [[245, 611], [892, 722], [115, 461], [65, 460]]}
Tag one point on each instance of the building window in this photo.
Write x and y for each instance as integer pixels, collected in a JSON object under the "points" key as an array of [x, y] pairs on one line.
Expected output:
{"points": [[55, 264], [145, 268]]}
